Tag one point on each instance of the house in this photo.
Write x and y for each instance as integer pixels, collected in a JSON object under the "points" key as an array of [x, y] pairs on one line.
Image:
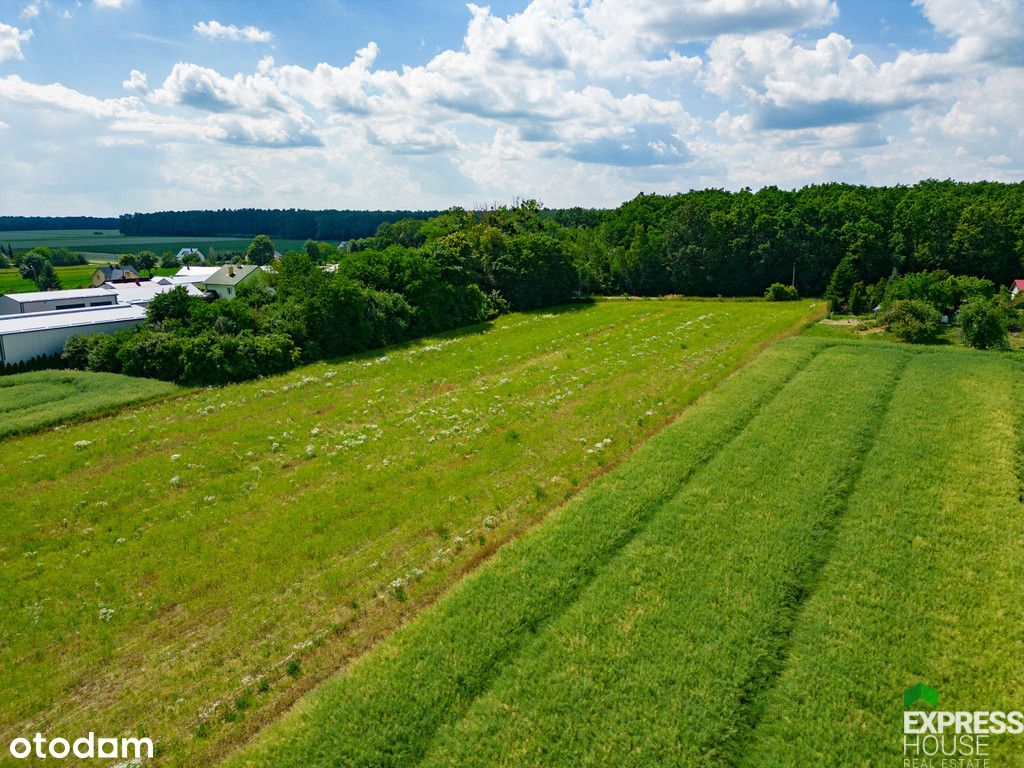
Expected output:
{"points": [[112, 274], [23, 337], [50, 301], [1015, 288], [226, 281], [193, 275], [184, 252]]}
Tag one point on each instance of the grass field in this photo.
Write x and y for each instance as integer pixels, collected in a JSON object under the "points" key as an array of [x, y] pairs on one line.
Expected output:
{"points": [[755, 586], [202, 562], [78, 276], [111, 242], [31, 401]]}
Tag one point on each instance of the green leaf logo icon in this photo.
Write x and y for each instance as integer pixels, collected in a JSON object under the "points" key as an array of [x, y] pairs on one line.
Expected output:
{"points": [[920, 692]]}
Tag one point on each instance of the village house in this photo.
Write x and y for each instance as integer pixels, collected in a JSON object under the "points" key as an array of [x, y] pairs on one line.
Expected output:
{"points": [[1015, 288], [193, 252], [193, 275], [226, 281], [112, 274]]}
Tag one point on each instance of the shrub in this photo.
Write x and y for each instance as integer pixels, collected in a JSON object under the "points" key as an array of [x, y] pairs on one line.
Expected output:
{"points": [[780, 292], [912, 320], [981, 323]]}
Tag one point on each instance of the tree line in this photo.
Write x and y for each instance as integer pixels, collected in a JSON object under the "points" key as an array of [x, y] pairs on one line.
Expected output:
{"points": [[291, 224]]}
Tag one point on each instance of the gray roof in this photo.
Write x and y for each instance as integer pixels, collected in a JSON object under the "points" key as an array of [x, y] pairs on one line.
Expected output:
{"points": [[74, 293], [70, 318], [231, 274]]}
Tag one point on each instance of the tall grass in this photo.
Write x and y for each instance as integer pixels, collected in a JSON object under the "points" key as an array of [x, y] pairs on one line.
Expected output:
{"points": [[241, 544], [31, 401], [926, 582]]}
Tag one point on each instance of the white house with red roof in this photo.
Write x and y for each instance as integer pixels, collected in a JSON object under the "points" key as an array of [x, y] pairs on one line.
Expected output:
{"points": [[1016, 287]]}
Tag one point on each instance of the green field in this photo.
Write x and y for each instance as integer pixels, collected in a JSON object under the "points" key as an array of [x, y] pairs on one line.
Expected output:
{"points": [[109, 242], [756, 586], [31, 401], [80, 276], [204, 561]]}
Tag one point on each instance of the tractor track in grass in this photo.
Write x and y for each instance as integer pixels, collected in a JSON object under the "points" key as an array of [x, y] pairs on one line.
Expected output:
{"points": [[532, 637], [758, 688]]}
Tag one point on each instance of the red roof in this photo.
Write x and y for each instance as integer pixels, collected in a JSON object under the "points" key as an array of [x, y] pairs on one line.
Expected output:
{"points": [[1019, 285]]}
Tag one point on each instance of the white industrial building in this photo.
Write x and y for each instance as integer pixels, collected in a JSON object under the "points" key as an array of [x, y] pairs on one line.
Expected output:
{"points": [[48, 301], [144, 292], [24, 336]]}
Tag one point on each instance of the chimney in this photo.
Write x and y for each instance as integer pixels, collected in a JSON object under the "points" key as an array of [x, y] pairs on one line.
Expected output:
{"points": [[231, 271]]}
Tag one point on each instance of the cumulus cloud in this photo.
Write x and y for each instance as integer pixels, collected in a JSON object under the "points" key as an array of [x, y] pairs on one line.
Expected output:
{"points": [[30, 11], [136, 81], [206, 89], [693, 20], [11, 39], [214, 30]]}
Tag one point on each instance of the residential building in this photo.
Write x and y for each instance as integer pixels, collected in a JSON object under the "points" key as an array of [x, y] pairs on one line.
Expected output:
{"points": [[112, 274], [226, 281]]}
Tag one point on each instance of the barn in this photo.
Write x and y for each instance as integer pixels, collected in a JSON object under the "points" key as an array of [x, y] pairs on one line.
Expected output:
{"points": [[48, 301], [25, 336]]}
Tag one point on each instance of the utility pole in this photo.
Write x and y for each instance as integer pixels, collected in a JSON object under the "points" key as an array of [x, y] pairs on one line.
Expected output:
{"points": [[793, 281]]}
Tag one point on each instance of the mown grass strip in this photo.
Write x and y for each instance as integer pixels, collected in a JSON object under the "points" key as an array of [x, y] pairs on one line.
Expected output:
{"points": [[385, 710], [925, 583], [652, 666]]}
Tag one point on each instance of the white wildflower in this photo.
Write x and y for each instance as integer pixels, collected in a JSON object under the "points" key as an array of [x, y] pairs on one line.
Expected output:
{"points": [[106, 614], [175, 456], [175, 481], [310, 451], [81, 445]]}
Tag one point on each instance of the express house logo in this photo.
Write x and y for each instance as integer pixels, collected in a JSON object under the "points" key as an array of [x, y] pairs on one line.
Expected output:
{"points": [[944, 738]]}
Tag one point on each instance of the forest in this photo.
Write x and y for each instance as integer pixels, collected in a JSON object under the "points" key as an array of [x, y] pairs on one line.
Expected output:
{"points": [[919, 252]]}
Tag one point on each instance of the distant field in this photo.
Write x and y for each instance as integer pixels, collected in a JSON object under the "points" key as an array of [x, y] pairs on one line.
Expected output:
{"points": [[203, 561], [30, 401], [110, 242], [11, 280], [756, 586]]}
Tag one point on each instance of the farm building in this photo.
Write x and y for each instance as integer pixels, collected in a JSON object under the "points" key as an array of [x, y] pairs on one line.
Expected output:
{"points": [[226, 281], [193, 275], [1015, 288], [111, 274], [49, 301], [23, 337], [186, 252]]}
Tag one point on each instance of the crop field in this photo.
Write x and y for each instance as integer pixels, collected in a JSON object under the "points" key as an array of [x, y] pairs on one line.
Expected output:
{"points": [[189, 568], [31, 401], [99, 244], [755, 586]]}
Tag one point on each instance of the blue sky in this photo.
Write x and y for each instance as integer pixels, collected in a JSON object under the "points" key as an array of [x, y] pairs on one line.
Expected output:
{"points": [[109, 106]]}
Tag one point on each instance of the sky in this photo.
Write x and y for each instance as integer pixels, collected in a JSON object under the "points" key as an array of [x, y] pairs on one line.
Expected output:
{"points": [[115, 106]]}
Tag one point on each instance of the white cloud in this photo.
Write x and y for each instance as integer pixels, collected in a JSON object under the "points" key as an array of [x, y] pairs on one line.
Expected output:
{"points": [[11, 39], [136, 82], [30, 11], [111, 3], [214, 30], [692, 20]]}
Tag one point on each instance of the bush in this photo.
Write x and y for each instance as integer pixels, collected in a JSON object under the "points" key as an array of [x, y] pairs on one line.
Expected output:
{"points": [[981, 323], [780, 292], [912, 320]]}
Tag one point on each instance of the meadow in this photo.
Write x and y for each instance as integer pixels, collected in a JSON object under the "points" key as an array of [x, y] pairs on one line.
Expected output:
{"points": [[31, 401], [189, 568], [78, 276], [756, 585], [98, 245]]}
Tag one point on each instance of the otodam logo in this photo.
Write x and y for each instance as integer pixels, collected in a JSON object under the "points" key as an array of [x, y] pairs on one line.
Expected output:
{"points": [[939, 738]]}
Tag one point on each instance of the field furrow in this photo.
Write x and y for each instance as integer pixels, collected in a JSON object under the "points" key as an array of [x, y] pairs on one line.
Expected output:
{"points": [[656, 663], [925, 583]]}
